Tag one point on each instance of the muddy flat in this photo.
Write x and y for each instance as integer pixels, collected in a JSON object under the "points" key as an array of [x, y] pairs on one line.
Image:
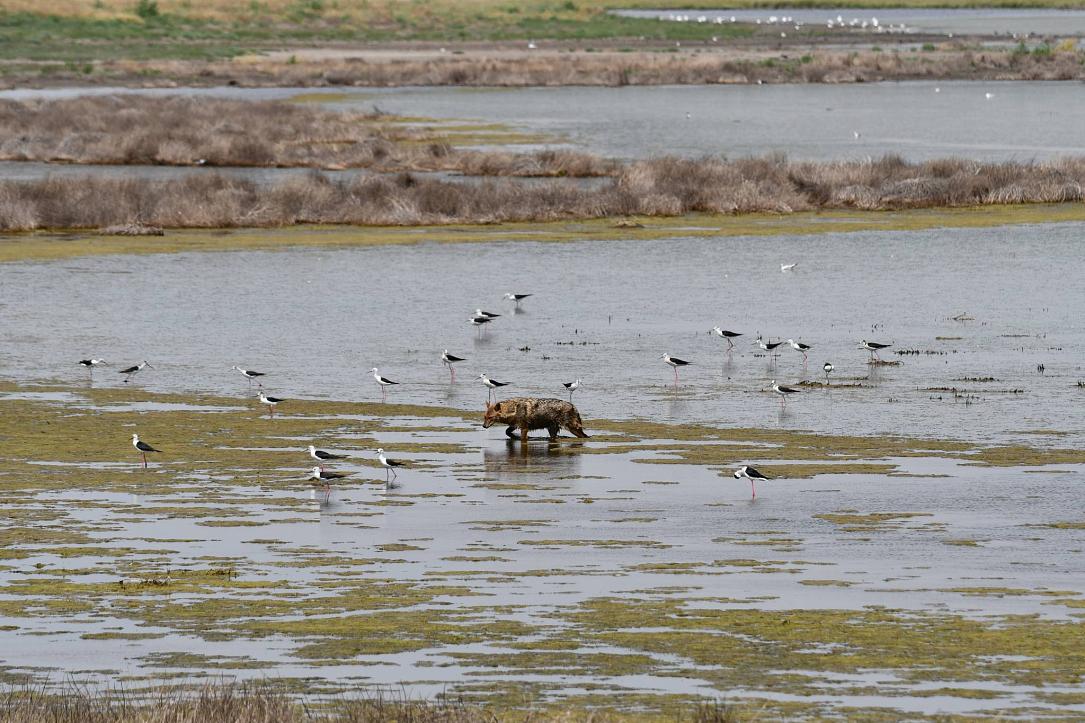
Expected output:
{"points": [[915, 550]]}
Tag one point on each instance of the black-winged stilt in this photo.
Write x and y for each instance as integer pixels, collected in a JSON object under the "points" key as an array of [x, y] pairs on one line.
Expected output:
{"points": [[248, 373], [492, 384], [800, 347], [325, 479], [516, 297], [270, 402], [873, 347], [675, 363], [478, 321], [389, 466], [486, 314], [784, 392], [91, 363], [828, 370], [572, 387], [449, 360], [322, 456], [143, 448], [748, 472], [382, 381], [728, 335], [132, 371], [768, 346]]}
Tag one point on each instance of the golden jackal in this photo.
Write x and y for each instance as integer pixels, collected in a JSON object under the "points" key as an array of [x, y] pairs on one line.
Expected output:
{"points": [[525, 413]]}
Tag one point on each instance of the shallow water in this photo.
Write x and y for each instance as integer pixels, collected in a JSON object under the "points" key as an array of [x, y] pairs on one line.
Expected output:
{"points": [[34, 170], [317, 319], [960, 21], [919, 120], [510, 525]]}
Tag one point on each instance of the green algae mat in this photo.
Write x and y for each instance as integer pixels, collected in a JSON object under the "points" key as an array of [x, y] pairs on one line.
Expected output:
{"points": [[628, 572]]}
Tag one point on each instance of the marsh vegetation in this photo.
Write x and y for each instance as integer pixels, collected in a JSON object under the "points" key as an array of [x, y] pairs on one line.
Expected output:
{"points": [[203, 131], [662, 187]]}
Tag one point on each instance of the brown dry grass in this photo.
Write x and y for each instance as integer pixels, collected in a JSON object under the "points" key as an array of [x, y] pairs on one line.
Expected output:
{"points": [[266, 702], [184, 130], [503, 68], [657, 187]]}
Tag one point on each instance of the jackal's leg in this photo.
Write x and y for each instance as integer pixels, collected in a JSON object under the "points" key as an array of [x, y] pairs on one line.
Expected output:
{"points": [[553, 431], [510, 432], [523, 432]]}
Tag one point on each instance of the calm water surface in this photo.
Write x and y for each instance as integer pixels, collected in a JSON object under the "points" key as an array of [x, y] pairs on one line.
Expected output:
{"points": [[318, 319], [961, 21], [918, 120]]}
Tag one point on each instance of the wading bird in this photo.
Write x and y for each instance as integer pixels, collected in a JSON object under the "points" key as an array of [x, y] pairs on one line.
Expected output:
{"points": [[248, 373], [325, 479], [322, 456], [784, 268], [492, 384], [728, 335], [132, 371], [449, 360], [572, 387], [270, 402], [389, 466], [478, 321], [828, 370], [143, 448], [873, 347], [675, 363], [516, 297], [784, 392], [748, 472], [382, 381], [89, 364], [769, 347], [486, 314], [800, 347]]}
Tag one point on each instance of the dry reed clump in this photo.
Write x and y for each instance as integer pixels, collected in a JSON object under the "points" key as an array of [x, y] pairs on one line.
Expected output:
{"points": [[221, 703], [715, 65], [266, 702], [657, 187], [186, 131]]}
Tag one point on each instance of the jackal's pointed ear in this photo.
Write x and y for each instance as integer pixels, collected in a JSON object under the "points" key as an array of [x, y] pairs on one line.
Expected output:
{"points": [[489, 406], [497, 406]]}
